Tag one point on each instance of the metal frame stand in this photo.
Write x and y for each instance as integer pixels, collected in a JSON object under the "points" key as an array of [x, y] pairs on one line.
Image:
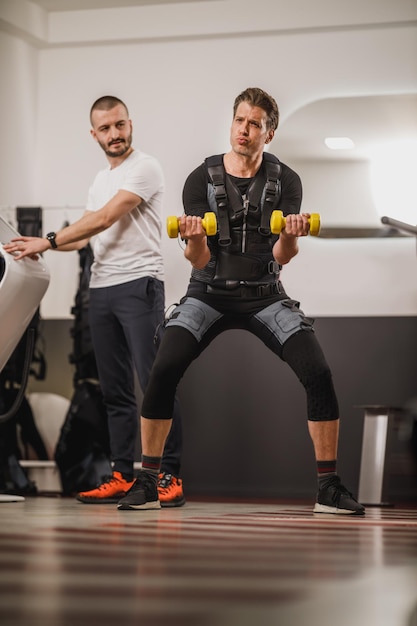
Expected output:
{"points": [[378, 429]]}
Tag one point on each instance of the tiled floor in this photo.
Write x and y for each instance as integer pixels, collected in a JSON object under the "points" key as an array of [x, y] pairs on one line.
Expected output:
{"points": [[63, 563]]}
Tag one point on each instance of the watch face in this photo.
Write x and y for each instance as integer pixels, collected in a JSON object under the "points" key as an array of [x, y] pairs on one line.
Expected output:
{"points": [[51, 239]]}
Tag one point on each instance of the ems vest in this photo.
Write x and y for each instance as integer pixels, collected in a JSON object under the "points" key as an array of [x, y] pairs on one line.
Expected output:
{"points": [[242, 249]]}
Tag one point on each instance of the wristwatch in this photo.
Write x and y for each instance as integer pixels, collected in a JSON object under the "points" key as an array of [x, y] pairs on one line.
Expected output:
{"points": [[51, 238]]}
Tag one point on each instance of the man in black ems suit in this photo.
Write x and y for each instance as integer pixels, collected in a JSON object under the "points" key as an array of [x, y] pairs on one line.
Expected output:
{"points": [[235, 284]]}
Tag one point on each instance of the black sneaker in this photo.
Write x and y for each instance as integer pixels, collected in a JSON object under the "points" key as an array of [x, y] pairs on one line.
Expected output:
{"points": [[333, 497], [142, 495]]}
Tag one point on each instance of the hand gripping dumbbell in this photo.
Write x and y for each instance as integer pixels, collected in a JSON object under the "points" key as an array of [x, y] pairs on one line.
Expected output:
{"points": [[278, 223], [209, 222]]}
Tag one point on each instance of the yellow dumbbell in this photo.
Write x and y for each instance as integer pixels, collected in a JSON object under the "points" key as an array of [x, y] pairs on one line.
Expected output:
{"points": [[209, 222], [278, 223]]}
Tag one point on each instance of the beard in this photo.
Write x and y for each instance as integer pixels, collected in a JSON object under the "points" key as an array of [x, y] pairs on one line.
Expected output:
{"points": [[123, 147]]}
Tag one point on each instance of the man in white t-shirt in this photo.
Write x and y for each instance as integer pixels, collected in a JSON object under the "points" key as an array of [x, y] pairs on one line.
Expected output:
{"points": [[126, 302]]}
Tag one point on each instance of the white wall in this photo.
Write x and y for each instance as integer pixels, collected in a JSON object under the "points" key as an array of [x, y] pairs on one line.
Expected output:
{"points": [[339, 191], [179, 76], [18, 120]]}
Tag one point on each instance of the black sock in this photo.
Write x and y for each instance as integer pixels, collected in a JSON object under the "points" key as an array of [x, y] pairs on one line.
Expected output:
{"points": [[151, 465], [325, 469]]}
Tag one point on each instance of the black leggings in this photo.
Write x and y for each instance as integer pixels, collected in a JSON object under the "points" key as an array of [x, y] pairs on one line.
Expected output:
{"points": [[301, 351]]}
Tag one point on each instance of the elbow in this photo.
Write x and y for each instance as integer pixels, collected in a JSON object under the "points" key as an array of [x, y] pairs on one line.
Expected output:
{"points": [[105, 223], [198, 263], [103, 219], [284, 258], [79, 245], [198, 266]]}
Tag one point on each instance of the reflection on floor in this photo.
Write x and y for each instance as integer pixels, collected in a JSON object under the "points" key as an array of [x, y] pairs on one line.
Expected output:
{"points": [[63, 563]]}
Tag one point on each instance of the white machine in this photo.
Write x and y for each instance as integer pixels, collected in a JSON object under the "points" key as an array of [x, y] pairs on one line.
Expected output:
{"points": [[23, 284]]}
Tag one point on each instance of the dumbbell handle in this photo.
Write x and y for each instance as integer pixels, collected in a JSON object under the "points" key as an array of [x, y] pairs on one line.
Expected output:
{"points": [[209, 222], [278, 223]]}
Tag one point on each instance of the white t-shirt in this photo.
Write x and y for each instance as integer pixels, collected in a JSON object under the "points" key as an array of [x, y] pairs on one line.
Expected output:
{"points": [[130, 248]]}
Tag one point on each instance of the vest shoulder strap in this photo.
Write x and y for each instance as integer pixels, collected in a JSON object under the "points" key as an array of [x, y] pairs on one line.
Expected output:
{"points": [[217, 175], [272, 190]]}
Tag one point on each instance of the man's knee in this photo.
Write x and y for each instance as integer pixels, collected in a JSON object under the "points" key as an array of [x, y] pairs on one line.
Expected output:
{"points": [[321, 396]]}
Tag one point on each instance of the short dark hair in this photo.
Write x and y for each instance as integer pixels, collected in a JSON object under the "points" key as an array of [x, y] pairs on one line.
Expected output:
{"points": [[105, 103], [258, 98]]}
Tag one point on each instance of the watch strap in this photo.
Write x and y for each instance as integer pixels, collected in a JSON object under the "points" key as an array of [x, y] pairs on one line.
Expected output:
{"points": [[51, 238]]}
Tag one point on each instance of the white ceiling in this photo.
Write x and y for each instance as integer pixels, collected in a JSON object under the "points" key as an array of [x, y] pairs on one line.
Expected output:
{"points": [[77, 5]]}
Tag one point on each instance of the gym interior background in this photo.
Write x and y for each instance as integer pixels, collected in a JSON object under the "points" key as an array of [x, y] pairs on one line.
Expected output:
{"points": [[336, 69]]}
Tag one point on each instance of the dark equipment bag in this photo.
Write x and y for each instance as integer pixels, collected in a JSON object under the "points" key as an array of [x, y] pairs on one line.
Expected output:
{"points": [[82, 453]]}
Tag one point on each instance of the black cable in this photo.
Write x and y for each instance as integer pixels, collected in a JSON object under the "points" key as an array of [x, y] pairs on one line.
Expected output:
{"points": [[30, 343]]}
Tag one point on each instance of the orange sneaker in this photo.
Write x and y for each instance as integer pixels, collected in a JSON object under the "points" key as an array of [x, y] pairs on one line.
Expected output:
{"points": [[114, 488], [170, 490]]}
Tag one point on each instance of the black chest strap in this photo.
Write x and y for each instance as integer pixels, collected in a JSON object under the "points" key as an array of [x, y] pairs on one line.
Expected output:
{"points": [[272, 191], [217, 175], [267, 197]]}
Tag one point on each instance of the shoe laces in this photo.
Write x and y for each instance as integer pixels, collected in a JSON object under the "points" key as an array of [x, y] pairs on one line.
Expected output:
{"points": [[165, 481], [108, 481], [143, 479], [337, 489]]}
